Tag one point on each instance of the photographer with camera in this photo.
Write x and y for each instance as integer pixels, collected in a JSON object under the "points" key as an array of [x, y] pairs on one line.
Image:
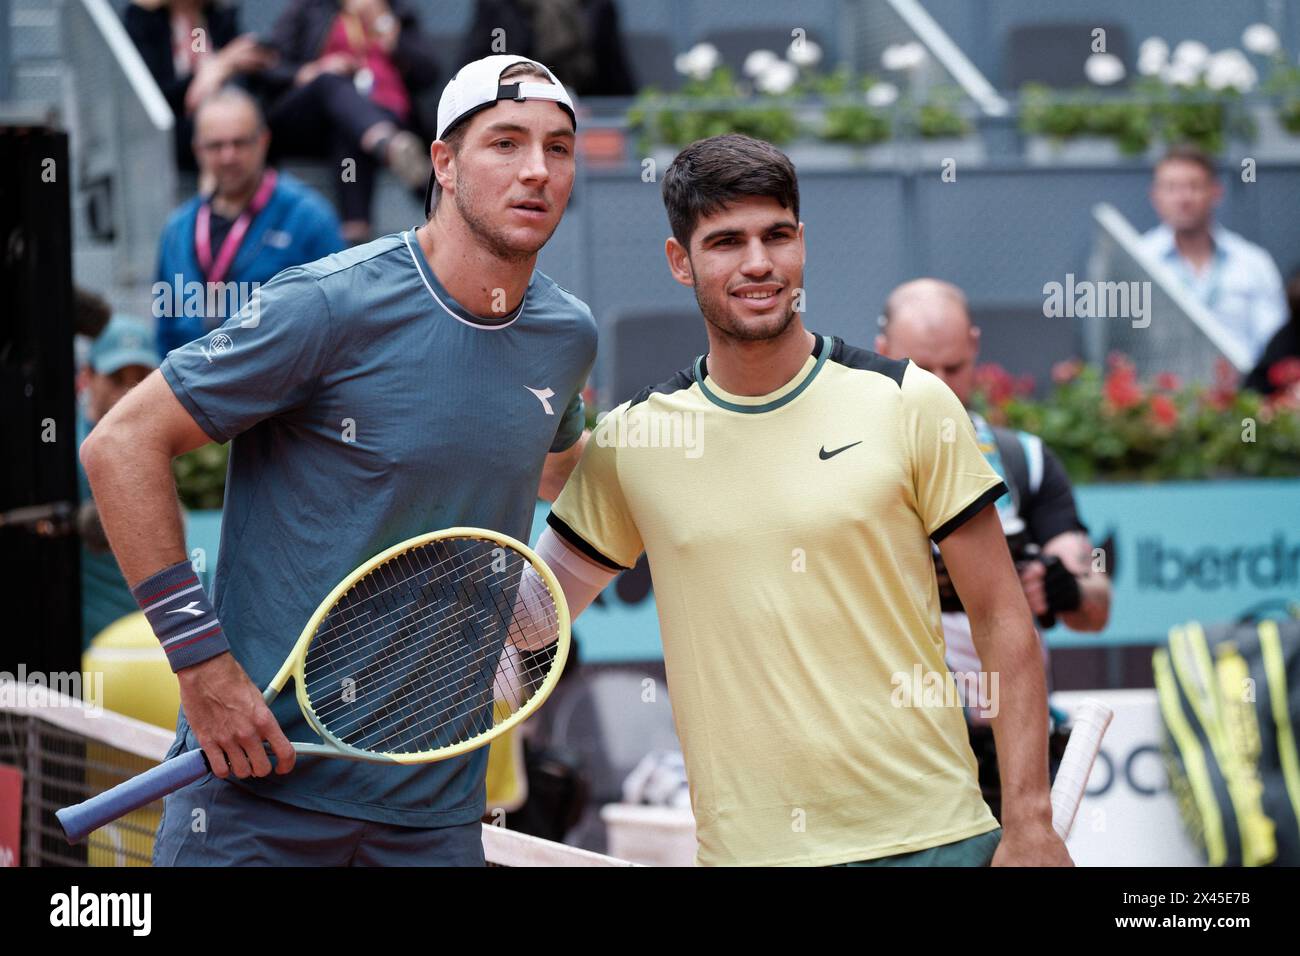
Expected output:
{"points": [[926, 320]]}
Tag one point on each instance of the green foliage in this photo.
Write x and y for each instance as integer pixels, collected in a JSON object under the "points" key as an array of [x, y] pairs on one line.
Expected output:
{"points": [[722, 104], [201, 477], [1284, 84], [1111, 427], [938, 117], [1149, 111], [711, 107], [854, 123]]}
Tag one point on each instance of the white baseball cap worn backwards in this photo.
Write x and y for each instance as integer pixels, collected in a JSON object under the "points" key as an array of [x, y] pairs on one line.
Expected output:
{"points": [[477, 86]]}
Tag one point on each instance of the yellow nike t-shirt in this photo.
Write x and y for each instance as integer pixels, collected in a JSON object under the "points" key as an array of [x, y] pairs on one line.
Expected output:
{"points": [[788, 538]]}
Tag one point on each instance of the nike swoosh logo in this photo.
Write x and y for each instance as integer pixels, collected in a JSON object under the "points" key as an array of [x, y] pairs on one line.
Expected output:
{"points": [[824, 454], [191, 608]]}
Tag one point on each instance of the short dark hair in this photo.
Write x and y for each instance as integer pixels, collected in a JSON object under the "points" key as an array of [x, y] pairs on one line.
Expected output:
{"points": [[1187, 153], [455, 137], [711, 174], [90, 312]]}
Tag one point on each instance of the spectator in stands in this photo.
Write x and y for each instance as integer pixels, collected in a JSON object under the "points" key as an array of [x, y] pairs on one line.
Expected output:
{"points": [[1279, 367], [347, 86], [120, 357], [1236, 280], [217, 249], [926, 320], [192, 48], [578, 39]]}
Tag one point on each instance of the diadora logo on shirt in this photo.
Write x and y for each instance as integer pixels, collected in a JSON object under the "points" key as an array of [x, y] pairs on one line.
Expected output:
{"points": [[542, 394], [218, 343], [824, 454]]}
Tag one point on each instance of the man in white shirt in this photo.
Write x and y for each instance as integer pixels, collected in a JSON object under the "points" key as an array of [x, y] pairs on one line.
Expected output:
{"points": [[1235, 279]]}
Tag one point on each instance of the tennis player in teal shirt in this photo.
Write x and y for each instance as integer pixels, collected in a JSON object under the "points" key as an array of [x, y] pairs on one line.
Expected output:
{"points": [[426, 380]]}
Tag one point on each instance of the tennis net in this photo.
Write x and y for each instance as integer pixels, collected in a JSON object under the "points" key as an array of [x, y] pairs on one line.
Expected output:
{"points": [[66, 751]]}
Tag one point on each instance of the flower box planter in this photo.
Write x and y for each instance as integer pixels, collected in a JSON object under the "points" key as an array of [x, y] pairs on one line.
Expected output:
{"points": [[1272, 143], [814, 154], [1079, 151]]}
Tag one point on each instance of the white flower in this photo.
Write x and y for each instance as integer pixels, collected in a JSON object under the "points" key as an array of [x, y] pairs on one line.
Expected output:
{"points": [[903, 56], [777, 78], [758, 61], [1153, 56], [1191, 54], [1260, 38], [1179, 74], [1230, 68], [804, 53], [699, 61], [881, 95], [1103, 69]]}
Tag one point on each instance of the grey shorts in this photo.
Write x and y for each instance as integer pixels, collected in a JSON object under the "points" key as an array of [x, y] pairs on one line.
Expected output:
{"points": [[238, 828]]}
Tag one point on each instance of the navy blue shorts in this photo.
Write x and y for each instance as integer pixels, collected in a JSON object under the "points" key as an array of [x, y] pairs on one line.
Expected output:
{"points": [[238, 828]]}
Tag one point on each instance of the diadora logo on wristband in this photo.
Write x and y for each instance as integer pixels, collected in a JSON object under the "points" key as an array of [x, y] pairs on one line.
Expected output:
{"points": [[191, 608]]}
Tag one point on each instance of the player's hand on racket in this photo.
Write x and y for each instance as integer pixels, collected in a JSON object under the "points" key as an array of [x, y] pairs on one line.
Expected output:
{"points": [[1031, 844], [231, 720]]}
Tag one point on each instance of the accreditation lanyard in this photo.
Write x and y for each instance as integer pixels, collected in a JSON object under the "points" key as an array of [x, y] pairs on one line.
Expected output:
{"points": [[216, 271]]}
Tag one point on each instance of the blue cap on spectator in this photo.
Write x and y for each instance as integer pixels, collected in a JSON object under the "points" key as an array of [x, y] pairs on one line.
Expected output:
{"points": [[124, 342]]}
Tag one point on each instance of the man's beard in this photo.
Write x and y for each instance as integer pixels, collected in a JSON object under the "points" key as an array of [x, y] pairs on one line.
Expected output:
{"points": [[494, 240], [729, 327]]}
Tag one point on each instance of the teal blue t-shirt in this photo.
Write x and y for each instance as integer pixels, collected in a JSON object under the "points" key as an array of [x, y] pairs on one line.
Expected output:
{"points": [[366, 406]]}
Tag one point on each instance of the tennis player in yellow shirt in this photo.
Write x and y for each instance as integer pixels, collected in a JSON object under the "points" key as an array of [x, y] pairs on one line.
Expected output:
{"points": [[786, 488]]}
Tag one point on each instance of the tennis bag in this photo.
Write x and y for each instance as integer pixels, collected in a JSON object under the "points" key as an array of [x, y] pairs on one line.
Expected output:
{"points": [[1230, 702]]}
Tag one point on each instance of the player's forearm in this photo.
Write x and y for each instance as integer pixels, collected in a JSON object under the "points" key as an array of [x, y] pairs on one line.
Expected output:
{"points": [[559, 465], [1008, 647], [132, 483], [1094, 604]]}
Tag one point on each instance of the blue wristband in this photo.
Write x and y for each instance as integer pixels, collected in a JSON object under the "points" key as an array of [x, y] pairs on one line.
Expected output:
{"points": [[181, 616]]}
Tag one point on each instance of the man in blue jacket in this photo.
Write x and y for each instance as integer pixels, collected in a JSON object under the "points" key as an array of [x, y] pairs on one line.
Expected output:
{"points": [[253, 222]]}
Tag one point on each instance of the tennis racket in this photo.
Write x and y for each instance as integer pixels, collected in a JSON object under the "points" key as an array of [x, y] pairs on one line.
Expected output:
{"points": [[1088, 726], [427, 651]]}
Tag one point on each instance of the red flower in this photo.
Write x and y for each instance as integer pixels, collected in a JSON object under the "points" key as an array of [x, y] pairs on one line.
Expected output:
{"points": [[1066, 371], [1224, 391], [997, 385], [1168, 382], [1121, 387], [1285, 373], [1163, 411], [1224, 374]]}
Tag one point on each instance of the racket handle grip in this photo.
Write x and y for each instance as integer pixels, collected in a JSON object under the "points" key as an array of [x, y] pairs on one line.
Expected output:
{"points": [[1089, 727], [169, 776]]}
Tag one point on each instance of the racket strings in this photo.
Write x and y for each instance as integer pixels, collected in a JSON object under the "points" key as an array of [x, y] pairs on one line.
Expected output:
{"points": [[541, 627], [399, 723], [394, 662], [433, 647], [546, 633]]}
